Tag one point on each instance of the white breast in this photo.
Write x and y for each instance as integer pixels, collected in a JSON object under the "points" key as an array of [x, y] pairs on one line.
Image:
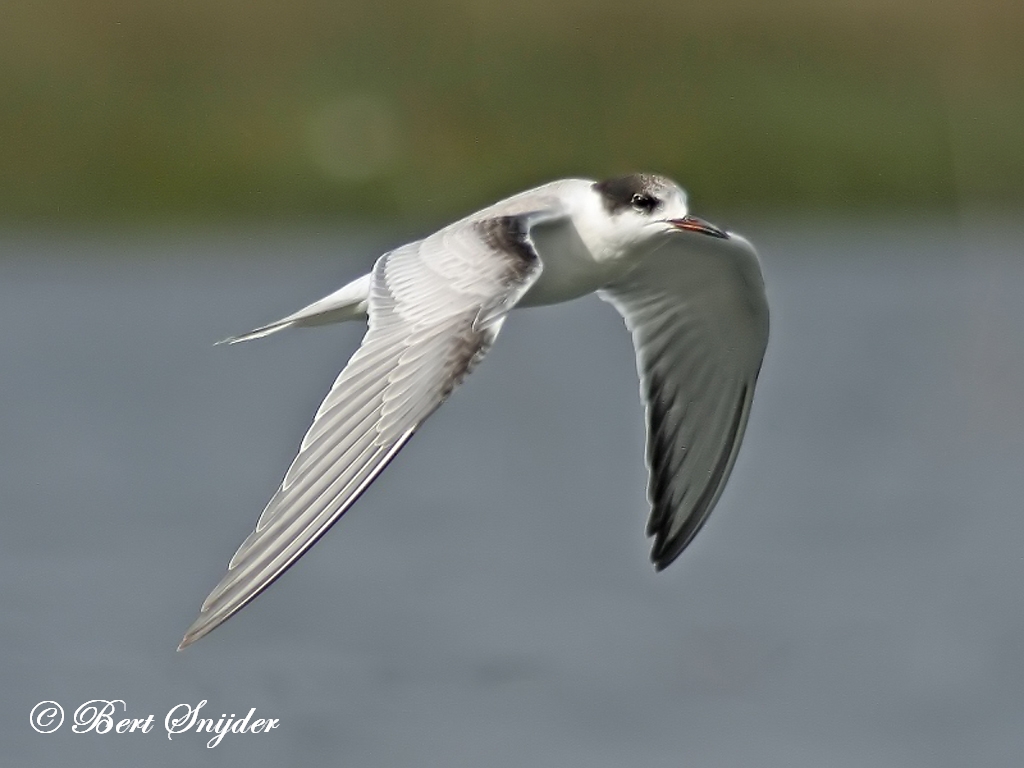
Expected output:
{"points": [[570, 269]]}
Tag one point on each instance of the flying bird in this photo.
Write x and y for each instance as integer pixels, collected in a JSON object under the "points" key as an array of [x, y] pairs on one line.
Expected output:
{"points": [[692, 297]]}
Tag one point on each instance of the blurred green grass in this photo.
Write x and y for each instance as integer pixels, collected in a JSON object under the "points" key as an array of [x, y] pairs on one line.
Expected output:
{"points": [[210, 109]]}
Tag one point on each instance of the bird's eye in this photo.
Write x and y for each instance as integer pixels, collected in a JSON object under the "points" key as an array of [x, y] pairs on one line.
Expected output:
{"points": [[644, 203]]}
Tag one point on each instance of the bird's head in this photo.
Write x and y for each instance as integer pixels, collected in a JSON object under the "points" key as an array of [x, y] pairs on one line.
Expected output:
{"points": [[628, 211]]}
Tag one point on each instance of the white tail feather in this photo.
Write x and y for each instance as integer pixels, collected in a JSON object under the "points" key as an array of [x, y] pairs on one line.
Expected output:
{"points": [[346, 303]]}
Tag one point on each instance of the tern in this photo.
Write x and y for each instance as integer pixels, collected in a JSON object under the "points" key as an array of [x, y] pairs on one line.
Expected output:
{"points": [[691, 295]]}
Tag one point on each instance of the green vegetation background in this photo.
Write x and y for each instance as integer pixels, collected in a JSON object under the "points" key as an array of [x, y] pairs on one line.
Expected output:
{"points": [[202, 110]]}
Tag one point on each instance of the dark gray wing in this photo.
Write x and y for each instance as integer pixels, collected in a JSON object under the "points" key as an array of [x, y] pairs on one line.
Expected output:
{"points": [[699, 317], [435, 308]]}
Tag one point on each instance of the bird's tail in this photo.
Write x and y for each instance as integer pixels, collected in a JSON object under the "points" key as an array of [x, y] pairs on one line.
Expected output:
{"points": [[346, 303]]}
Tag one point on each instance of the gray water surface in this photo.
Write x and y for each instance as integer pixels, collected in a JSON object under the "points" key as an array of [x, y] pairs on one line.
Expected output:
{"points": [[855, 600]]}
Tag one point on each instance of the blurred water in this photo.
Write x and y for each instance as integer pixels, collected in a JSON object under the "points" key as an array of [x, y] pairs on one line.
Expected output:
{"points": [[855, 599]]}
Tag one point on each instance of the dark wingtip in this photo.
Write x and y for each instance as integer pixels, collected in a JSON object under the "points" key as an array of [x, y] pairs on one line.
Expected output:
{"points": [[664, 553], [667, 548]]}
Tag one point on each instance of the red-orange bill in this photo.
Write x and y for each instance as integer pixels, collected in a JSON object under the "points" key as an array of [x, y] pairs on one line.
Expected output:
{"points": [[693, 224]]}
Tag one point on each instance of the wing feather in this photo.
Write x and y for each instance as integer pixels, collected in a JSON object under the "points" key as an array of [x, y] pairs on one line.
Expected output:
{"points": [[425, 335], [699, 318]]}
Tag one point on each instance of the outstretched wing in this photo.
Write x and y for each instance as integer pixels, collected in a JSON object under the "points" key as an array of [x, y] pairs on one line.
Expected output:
{"points": [[699, 317], [435, 307]]}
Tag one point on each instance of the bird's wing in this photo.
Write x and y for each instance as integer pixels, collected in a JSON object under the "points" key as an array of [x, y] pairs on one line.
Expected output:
{"points": [[435, 308], [697, 311]]}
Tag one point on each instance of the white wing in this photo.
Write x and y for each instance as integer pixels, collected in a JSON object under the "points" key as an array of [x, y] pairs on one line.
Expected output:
{"points": [[697, 311], [435, 308]]}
